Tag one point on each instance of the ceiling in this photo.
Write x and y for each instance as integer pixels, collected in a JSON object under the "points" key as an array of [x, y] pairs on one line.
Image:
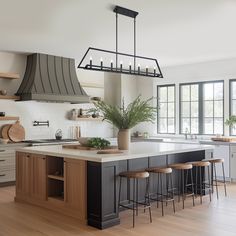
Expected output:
{"points": [[175, 32]]}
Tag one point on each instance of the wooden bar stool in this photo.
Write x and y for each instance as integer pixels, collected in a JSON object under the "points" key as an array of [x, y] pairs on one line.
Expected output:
{"points": [[201, 183], [183, 182], [160, 196], [136, 175], [213, 162]]}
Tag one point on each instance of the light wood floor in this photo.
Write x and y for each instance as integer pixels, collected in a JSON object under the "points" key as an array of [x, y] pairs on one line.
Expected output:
{"points": [[213, 219]]}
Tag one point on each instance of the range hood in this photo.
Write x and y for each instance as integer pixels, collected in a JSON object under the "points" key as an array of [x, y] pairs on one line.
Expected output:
{"points": [[52, 79]]}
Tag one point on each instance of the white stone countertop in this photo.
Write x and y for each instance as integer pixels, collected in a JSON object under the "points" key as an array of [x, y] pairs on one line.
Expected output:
{"points": [[137, 150]]}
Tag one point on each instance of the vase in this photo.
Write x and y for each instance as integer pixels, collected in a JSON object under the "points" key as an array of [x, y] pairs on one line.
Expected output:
{"points": [[123, 139]]}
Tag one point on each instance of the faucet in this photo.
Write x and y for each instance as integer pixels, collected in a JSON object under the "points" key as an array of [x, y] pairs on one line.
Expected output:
{"points": [[186, 133]]}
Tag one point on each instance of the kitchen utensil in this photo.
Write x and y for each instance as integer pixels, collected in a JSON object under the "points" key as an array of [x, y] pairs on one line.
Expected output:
{"points": [[16, 132], [4, 141], [3, 92], [2, 113], [4, 131], [58, 134], [83, 141]]}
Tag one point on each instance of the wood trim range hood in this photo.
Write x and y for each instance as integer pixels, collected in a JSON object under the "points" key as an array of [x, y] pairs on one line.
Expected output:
{"points": [[52, 79]]}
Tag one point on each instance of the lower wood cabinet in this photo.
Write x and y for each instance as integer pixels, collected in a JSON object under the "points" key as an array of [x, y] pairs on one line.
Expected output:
{"points": [[55, 183], [31, 176]]}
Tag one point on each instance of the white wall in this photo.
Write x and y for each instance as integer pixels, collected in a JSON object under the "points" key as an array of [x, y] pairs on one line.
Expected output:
{"points": [[56, 113], [198, 72]]}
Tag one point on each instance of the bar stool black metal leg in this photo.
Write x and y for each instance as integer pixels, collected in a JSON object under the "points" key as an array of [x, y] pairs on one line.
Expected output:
{"points": [[158, 184], [167, 189], [172, 190], [214, 167], [209, 181], [191, 173], [179, 185], [196, 183], [223, 169], [162, 207], [134, 183], [136, 197], [200, 172], [183, 187], [148, 197]]}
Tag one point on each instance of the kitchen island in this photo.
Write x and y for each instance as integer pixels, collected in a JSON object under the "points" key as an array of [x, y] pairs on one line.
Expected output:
{"points": [[84, 184]]}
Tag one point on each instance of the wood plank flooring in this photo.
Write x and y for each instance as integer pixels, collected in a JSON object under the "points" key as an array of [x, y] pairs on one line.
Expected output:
{"points": [[217, 218]]}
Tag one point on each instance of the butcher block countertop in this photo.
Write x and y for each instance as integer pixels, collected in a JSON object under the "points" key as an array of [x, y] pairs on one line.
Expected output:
{"points": [[137, 150]]}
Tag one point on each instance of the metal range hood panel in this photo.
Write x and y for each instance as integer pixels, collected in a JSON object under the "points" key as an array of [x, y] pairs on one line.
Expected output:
{"points": [[52, 79]]}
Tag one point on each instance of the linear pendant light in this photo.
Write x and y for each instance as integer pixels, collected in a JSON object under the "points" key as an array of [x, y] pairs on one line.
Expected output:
{"points": [[118, 62]]}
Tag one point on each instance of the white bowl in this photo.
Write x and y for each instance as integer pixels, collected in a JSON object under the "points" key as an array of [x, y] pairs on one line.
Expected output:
{"points": [[4, 141], [83, 141]]}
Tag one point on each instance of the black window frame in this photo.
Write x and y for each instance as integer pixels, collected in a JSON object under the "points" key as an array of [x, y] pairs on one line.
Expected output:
{"points": [[166, 85], [200, 106], [230, 103]]}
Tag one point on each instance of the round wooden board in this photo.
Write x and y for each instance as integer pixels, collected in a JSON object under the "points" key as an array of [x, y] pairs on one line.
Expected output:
{"points": [[16, 132], [4, 131]]}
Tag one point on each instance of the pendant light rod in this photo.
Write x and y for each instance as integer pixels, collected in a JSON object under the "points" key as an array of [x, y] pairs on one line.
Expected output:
{"points": [[116, 41]]}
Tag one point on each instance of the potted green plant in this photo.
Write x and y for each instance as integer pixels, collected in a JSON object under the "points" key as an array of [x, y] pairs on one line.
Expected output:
{"points": [[125, 118], [231, 122]]}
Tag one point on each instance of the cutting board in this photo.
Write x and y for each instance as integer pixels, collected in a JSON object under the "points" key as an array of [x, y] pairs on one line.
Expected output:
{"points": [[223, 139], [80, 147], [16, 132], [4, 131]]}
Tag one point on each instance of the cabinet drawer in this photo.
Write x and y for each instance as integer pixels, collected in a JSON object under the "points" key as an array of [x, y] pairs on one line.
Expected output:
{"points": [[7, 175], [7, 159]]}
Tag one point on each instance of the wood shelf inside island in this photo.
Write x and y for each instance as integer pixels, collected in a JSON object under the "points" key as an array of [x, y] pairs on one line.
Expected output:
{"points": [[9, 76], [56, 177]]}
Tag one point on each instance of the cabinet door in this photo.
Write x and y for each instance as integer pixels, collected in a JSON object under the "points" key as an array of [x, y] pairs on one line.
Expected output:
{"points": [[222, 151], [38, 177], [22, 174], [233, 162], [75, 186]]}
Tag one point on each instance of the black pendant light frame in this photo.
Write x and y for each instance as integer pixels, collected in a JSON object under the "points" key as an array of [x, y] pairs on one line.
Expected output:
{"points": [[90, 66]]}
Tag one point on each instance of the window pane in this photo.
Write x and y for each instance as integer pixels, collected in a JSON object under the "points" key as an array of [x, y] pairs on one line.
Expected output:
{"points": [[208, 126], [194, 92], [162, 125], [208, 91], [233, 107], [162, 94], [218, 109], [194, 109], [171, 94], [185, 93], [163, 109], [171, 110], [185, 109], [233, 89], [218, 91], [171, 125], [185, 125], [194, 126], [218, 126], [208, 109]]}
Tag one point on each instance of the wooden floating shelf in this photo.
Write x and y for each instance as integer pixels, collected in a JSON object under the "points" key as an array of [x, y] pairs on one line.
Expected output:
{"points": [[9, 76], [88, 119], [56, 177], [9, 97], [9, 118], [92, 85]]}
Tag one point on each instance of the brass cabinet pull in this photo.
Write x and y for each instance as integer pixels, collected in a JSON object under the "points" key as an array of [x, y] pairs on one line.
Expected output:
{"points": [[2, 160], [2, 150], [2, 175]]}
